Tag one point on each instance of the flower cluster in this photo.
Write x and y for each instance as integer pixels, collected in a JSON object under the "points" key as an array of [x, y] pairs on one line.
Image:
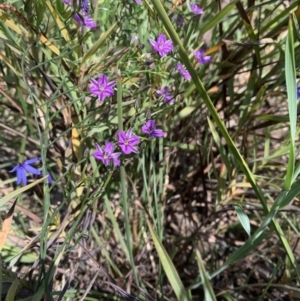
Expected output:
{"points": [[25, 167], [164, 46], [83, 19], [127, 142], [102, 88]]}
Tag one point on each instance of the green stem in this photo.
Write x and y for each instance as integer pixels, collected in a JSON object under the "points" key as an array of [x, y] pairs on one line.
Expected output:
{"points": [[123, 181]]}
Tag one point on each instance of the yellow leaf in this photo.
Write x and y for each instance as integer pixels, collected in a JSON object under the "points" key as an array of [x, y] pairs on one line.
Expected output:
{"points": [[6, 225], [75, 141], [9, 22], [61, 26], [49, 44]]}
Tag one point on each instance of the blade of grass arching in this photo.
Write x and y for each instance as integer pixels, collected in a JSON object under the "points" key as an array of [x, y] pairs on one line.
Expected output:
{"points": [[243, 218], [291, 194], [296, 172], [18, 191], [278, 22], [221, 127], [11, 294], [260, 234], [123, 182], [290, 78], [214, 21], [169, 268], [208, 290], [116, 227]]}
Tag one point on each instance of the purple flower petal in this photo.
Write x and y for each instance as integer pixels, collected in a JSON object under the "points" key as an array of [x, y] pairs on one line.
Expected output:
{"points": [[31, 161], [85, 21], [25, 167], [127, 142], [196, 9], [201, 57], [21, 176], [50, 180], [162, 45], [185, 74], [107, 155], [149, 128], [165, 94], [32, 170]]}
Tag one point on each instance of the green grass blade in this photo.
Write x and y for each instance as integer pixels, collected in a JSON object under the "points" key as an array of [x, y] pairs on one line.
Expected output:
{"points": [[290, 77], [214, 21], [208, 290], [169, 267], [11, 294], [18, 191], [243, 218]]}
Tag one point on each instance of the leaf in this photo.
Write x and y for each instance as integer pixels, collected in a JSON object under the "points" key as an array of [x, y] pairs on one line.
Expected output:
{"points": [[169, 268], [208, 290], [6, 225], [15, 193], [11, 294], [49, 44], [75, 141], [9, 22], [243, 217], [290, 77], [59, 23]]}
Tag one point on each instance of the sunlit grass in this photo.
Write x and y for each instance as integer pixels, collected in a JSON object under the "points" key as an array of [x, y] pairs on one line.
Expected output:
{"points": [[214, 199]]}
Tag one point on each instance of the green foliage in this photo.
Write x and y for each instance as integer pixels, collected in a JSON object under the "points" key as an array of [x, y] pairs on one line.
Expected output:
{"points": [[215, 199]]}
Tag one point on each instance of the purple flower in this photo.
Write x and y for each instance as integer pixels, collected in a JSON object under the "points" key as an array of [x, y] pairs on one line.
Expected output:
{"points": [[25, 167], [85, 6], [66, 2], [107, 155], [183, 71], [50, 180], [102, 87], [196, 9], [139, 1], [149, 128], [162, 45], [85, 21], [127, 142], [165, 94], [298, 92], [201, 57]]}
